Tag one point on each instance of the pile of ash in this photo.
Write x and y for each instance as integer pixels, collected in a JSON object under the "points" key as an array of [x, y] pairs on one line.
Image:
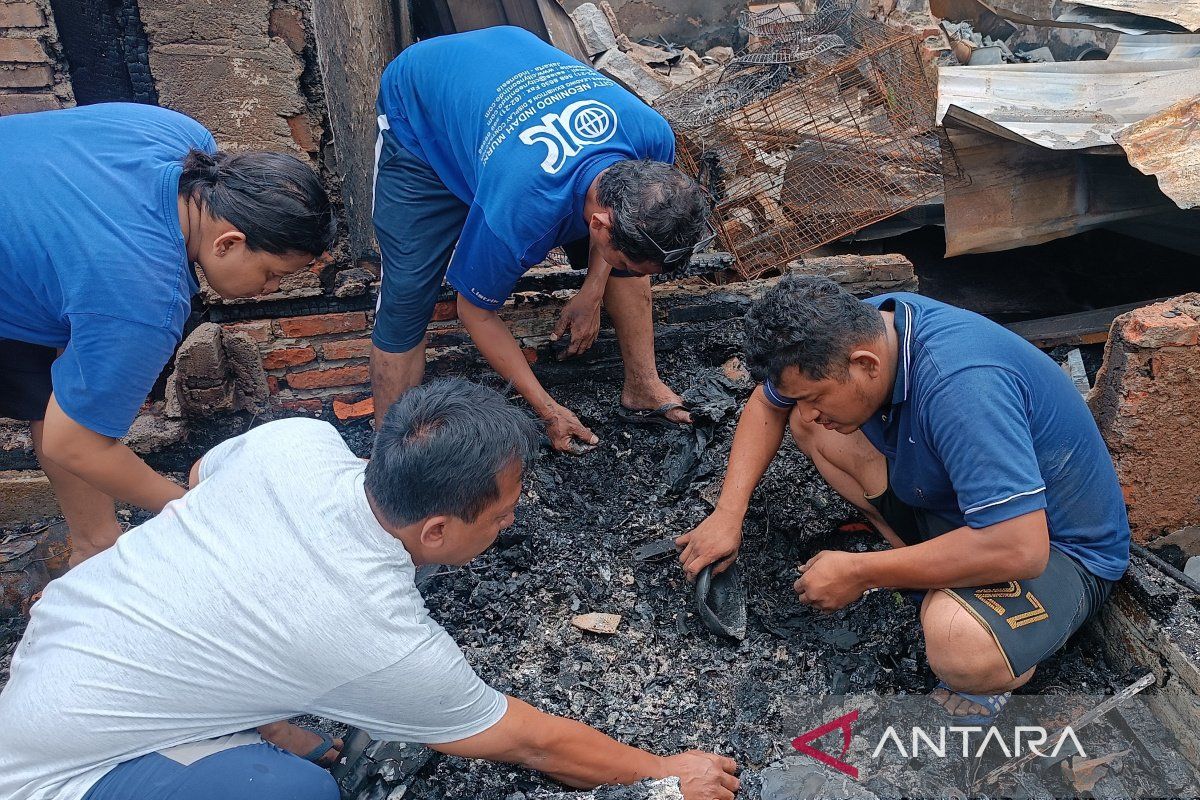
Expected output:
{"points": [[663, 681]]}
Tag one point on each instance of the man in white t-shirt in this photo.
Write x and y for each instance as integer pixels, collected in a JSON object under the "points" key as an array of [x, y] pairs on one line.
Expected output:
{"points": [[283, 583]]}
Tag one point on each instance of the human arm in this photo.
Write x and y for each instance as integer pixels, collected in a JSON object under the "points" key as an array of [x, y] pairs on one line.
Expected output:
{"points": [[581, 314], [501, 350], [977, 423], [100, 382], [582, 757], [104, 462], [755, 443], [1015, 549]]}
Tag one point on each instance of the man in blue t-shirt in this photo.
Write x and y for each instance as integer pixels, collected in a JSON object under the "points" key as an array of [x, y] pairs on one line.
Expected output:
{"points": [[104, 209], [494, 148], [970, 451]]}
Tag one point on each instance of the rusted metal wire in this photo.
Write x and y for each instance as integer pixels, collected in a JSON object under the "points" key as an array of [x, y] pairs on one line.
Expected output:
{"points": [[822, 127]]}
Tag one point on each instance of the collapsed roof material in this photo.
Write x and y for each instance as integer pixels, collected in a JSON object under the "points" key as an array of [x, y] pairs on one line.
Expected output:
{"points": [[1049, 150]]}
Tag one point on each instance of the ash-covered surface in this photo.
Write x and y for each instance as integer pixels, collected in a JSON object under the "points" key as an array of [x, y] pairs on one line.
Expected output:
{"points": [[663, 682]]}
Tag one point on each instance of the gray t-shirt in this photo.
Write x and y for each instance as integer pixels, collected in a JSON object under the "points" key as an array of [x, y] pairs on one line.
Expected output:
{"points": [[268, 590]]}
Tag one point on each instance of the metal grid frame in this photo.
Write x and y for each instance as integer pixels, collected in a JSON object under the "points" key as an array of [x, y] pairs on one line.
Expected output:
{"points": [[822, 127]]}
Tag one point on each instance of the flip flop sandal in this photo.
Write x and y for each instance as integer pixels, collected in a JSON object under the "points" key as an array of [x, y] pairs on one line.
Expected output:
{"points": [[994, 703], [652, 416], [324, 747]]}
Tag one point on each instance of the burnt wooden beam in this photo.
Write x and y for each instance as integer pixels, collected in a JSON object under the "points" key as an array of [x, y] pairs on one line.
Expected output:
{"points": [[1082, 327]]}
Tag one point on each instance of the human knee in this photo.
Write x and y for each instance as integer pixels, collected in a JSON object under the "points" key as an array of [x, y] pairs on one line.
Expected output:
{"points": [[961, 651], [804, 434], [289, 777]]}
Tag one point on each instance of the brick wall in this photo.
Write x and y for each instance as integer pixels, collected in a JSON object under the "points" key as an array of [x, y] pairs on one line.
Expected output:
{"points": [[318, 364], [236, 66], [33, 75]]}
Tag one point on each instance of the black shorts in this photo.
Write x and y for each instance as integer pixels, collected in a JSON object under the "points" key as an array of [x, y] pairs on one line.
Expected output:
{"points": [[1029, 619], [25, 379]]}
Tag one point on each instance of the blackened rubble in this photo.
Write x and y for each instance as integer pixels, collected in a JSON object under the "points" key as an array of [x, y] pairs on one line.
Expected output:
{"points": [[663, 681]]}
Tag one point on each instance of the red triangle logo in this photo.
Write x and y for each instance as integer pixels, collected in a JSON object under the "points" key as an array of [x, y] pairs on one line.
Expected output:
{"points": [[843, 723]]}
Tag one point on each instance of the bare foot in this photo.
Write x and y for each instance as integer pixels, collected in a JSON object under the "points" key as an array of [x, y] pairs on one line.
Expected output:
{"points": [[956, 705], [300, 741], [648, 396]]}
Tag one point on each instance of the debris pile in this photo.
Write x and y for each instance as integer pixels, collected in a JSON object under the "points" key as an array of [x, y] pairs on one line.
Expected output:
{"points": [[649, 67], [1046, 150], [589, 539], [821, 127], [974, 49]]}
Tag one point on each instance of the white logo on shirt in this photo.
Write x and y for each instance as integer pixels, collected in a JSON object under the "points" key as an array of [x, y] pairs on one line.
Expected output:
{"points": [[582, 123]]}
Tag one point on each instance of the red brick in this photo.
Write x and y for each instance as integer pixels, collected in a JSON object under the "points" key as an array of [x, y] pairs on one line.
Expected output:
{"points": [[272, 384], [325, 378], [288, 357], [311, 406], [23, 51], [302, 135], [1150, 326], [348, 411], [259, 331], [322, 261], [288, 25], [27, 103], [346, 348], [445, 310], [31, 77], [320, 324], [21, 15]]}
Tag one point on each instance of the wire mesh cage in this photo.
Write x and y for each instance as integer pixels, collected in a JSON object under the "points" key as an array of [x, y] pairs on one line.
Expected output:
{"points": [[822, 127]]}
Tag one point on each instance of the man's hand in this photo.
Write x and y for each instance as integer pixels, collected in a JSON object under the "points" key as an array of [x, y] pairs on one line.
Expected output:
{"points": [[580, 316], [830, 580], [563, 427], [716, 539], [704, 776]]}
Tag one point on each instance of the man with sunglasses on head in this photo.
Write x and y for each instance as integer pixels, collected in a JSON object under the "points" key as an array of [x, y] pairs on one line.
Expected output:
{"points": [[493, 149]]}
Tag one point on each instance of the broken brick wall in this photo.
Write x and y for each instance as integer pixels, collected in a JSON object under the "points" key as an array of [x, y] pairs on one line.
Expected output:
{"points": [[1147, 403], [248, 70], [236, 66], [33, 72]]}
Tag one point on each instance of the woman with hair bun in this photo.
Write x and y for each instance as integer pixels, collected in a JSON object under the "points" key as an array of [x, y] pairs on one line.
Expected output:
{"points": [[104, 210]]}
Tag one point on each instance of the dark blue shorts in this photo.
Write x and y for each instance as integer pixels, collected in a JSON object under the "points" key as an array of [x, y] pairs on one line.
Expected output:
{"points": [[417, 224], [1029, 619], [249, 772]]}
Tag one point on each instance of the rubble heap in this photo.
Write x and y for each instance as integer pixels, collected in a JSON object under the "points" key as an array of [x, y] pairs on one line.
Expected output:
{"points": [[821, 127]]}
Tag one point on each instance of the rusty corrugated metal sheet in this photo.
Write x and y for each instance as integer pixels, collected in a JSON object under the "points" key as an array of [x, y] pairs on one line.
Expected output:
{"points": [[1048, 150], [1186, 14], [1064, 106], [1126, 16], [1156, 47], [1167, 145]]}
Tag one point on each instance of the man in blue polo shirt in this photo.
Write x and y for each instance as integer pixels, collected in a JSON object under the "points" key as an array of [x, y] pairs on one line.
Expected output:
{"points": [[971, 452], [494, 148]]}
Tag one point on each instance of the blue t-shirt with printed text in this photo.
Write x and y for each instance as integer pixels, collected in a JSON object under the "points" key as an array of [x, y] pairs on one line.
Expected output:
{"points": [[92, 258], [517, 130], [983, 427]]}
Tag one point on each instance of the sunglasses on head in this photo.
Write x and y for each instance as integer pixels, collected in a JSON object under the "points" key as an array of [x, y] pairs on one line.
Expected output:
{"points": [[674, 256]]}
